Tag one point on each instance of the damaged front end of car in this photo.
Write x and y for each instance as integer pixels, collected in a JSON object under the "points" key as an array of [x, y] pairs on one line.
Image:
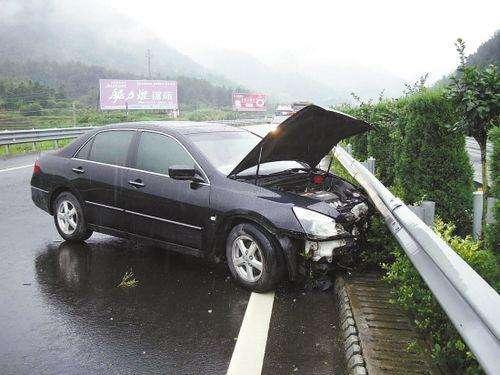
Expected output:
{"points": [[334, 241], [332, 213]]}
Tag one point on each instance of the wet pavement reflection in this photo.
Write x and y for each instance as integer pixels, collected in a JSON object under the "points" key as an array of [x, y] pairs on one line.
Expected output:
{"points": [[182, 317], [61, 311]]}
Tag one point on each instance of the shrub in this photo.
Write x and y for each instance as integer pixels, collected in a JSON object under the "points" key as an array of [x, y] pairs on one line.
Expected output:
{"points": [[492, 236], [412, 294], [433, 163], [377, 252], [359, 142], [380, 143], [383, 141]]}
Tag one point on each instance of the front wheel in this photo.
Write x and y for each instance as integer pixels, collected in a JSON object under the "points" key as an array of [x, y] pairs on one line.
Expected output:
{"points": [[69, 219], [252, 258]]}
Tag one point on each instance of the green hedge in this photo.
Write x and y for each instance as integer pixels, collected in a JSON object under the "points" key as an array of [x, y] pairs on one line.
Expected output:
{"points": [[384, 141], [432, 160], [417, 154], [412, 294], [493, 231]]}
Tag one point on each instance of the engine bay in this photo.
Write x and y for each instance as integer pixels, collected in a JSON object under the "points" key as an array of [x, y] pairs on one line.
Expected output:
{"points": [[317, 185]]}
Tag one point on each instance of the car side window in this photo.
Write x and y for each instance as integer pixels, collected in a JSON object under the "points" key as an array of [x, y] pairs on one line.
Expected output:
{"points": [[156, 153], [111, 147]]}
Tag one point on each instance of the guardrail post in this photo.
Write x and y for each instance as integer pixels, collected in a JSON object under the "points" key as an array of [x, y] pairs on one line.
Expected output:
{"points": [[370, 165], [425, 211], [477, 204], [429, 208], [7, 149], [417, 210], [349, 149]]}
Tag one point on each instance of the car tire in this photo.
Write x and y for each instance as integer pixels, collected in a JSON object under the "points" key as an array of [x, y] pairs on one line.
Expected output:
{"points": [[69, 218], [247, 247]]}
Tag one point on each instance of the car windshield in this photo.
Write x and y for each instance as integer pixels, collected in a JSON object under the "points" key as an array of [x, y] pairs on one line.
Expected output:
{"points": [[225, 150]]}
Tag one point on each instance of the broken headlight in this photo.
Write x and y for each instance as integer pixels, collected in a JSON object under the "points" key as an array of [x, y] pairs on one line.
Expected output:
{"points": [[317, 224]]}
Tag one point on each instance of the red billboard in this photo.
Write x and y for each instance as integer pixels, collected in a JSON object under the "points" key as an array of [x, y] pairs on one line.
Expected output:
{"points": [[249, 102]]}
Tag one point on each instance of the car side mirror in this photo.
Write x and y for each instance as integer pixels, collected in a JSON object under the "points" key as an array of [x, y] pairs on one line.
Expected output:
{"points": [[182, 172]]}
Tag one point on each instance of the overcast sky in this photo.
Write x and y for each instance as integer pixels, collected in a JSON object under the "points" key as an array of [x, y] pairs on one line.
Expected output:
{"points": [[406, 38]]}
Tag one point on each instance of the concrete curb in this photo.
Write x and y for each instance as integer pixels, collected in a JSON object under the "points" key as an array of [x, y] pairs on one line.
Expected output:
{"points": [[353, 351]]}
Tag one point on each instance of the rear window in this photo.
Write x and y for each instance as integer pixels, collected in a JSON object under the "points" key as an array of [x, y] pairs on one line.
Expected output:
{"points": [[111, 147]]}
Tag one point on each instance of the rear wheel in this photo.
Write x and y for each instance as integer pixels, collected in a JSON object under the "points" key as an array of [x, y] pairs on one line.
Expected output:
{"points": [[69, 219], [253, 259]]}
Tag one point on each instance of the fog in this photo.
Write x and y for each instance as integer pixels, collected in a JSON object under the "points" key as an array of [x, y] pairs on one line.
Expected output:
{"points": [[291, 50]]}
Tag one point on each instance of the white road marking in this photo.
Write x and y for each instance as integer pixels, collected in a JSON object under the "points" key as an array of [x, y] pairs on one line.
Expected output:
{"points": [[14, 168], [248, 354]]}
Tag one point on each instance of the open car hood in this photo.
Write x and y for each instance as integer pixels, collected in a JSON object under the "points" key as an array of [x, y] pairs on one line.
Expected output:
{"points": [[306, 136]]}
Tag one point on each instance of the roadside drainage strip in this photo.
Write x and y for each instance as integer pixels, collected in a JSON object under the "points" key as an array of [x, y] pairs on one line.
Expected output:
{"points": [[375, 332], [352, 345]]}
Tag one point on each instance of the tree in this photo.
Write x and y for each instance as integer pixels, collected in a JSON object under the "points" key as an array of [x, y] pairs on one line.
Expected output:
{"points": [[475, 91]]}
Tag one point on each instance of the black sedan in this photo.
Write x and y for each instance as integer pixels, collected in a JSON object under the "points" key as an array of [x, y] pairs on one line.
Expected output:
{"points": [[211, 190]]}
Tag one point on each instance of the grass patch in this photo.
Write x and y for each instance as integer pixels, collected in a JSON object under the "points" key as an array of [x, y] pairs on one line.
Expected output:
{"points": [[29, 147], [128, 280]]}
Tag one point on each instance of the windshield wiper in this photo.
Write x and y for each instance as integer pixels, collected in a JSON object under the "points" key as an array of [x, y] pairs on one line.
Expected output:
{"points": [[288, 171]]}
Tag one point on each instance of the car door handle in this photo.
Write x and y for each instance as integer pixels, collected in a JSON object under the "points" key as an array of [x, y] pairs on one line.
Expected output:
{"points": [[137, 183], [78, 170]]}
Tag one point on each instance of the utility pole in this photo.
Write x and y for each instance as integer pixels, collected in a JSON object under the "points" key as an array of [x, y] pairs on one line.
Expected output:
{"points": [[148, 56]]}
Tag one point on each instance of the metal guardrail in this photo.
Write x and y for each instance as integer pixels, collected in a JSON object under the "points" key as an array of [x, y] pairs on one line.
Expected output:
{"points": [[472, 305], [243, 122], [8, 138], [37, 135]]}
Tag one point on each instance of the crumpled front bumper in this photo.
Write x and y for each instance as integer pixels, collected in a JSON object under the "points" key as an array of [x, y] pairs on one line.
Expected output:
{"points": [[355, 226], [317, 250]]}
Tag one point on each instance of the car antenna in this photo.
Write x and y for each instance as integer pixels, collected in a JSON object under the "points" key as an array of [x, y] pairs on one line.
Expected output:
{"points": [[258, 164]]}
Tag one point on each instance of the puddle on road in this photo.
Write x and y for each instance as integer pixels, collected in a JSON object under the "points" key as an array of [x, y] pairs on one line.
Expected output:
{"points": [[181, 317]]}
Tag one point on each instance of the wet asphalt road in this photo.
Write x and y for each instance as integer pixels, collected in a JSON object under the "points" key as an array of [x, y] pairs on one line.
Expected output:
{"points": [[62, 312]]}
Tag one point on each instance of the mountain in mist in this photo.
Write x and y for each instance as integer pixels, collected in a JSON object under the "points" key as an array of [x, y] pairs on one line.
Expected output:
{"points": [[322, 84], [253, 74], [93, 33], [365, 82], [88, 32], [488, 52]]}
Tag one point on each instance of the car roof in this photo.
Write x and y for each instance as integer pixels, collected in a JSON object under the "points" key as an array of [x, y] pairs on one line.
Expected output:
{"points": [[180, 127]]}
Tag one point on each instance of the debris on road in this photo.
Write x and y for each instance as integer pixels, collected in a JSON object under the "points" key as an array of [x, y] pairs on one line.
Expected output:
{"points": [[128, 280]]}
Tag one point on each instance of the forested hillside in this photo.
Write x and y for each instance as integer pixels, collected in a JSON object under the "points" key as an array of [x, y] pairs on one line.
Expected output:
{"points": [[488, 52], [80, 81], [70, 48]]}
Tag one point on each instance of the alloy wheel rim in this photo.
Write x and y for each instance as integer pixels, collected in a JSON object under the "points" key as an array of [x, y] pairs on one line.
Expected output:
{"points": [[247, 258], [67, 217]]}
